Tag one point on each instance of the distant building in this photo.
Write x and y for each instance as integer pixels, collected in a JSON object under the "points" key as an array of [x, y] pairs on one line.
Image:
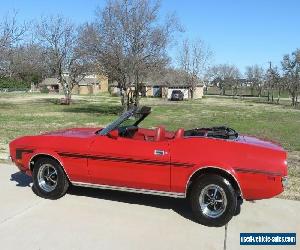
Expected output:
{"points": [[90, 84], [162, 90], [51, 84], [162, 83]]}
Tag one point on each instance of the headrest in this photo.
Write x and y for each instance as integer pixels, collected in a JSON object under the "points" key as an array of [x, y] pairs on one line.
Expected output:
{"points": [[179, 133], [160, 133]]}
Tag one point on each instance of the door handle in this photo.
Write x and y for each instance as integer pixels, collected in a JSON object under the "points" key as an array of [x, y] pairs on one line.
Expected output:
{"points": [[160, 152]]}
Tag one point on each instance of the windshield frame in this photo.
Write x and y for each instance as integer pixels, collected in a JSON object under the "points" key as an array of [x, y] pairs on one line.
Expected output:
{"points": [[143, 111]]}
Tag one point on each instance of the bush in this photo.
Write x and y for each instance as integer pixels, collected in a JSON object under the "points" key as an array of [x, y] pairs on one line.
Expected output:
{"points": [[13, 84], [44, 90]]}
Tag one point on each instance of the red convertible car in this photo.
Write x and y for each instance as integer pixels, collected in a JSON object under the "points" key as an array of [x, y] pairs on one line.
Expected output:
{"points": [[215, 168]]}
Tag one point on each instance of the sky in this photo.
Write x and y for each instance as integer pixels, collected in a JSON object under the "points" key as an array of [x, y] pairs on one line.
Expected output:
{"points": [[238, 32]]}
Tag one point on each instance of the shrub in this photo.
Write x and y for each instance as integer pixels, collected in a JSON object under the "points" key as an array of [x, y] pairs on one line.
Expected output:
{"points": [[44, 90], [13, 84]]}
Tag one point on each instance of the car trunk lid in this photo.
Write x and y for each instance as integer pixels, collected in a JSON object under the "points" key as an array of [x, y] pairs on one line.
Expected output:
{"points": [[260, 142]]}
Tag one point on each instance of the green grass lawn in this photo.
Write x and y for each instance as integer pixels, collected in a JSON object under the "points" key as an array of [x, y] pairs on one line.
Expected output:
{"points": [[23, 114]]}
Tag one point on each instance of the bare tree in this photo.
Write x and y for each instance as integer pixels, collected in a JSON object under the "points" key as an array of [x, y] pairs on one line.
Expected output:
{"points": [[59, 39], [10, 34], [194, 58], [129, 42], [28, 63], [282, 84], [224, 76], [255, 75], [273, 82], [291, 68]]}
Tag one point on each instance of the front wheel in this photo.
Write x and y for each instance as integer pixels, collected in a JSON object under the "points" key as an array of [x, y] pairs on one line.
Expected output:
{"points": [[49, 179], [213, 200]]}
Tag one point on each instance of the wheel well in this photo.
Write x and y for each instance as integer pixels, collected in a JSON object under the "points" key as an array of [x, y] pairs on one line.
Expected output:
{"points": [[213, 170], [36, 157]]}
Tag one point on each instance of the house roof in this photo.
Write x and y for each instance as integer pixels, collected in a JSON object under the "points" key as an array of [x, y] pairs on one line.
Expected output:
{"points": [[161, 83], [88, 81], [50, 81]]}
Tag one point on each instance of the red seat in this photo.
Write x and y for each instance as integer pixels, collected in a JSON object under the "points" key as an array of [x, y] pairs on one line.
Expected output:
{"points": [[179, 133], [160, 134]]}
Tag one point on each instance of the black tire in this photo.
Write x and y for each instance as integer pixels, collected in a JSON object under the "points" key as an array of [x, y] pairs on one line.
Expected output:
{"points": [[206, 183], [62, 182], [238, 206], [237, 210]]}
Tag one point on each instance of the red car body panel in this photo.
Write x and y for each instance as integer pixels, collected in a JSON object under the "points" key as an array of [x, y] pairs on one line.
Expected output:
{"points": [[88, 158]]}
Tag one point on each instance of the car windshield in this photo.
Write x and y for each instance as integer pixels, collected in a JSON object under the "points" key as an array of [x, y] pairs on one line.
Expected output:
{"points": [[176, 92], [131, 117]]}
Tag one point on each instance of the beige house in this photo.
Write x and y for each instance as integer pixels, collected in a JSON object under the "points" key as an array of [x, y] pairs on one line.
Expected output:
{"points": [[198, 92], [51, 84], [161, 84], [161, 90], [90, 84]]}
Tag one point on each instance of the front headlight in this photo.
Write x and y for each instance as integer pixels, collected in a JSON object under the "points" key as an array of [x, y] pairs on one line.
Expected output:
{"points": [[284, 181]]}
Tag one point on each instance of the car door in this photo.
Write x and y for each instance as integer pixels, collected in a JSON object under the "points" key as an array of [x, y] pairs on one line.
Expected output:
{"points": [[131, 163]]}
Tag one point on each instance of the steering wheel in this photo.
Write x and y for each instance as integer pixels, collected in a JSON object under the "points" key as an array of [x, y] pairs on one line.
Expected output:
{"points": [[127, 131]]}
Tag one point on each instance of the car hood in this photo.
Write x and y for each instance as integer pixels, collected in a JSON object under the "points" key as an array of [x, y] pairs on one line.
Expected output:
{"points": [[259, 142], [74, 132]]}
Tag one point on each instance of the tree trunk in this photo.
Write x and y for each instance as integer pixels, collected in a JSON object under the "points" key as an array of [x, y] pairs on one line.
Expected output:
{"points": [[259, 92], [66, 90], [222, 91], [293, 100], [68, 97], [136, 99], [272, 93], [278, 96], [192, 93], [122, 98], [136, 91], [235, 91], [125, 99]]}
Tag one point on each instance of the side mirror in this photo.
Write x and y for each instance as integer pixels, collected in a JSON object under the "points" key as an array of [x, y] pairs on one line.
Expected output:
{"points": [[114, 134]]}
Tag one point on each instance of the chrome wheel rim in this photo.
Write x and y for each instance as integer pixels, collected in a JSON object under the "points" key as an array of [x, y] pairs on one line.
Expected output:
{"points": [[213, 201], [47, 177]]}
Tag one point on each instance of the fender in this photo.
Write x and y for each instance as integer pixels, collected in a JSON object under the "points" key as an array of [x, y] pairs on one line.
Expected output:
{"points": [[50, 153], [228, 170]]}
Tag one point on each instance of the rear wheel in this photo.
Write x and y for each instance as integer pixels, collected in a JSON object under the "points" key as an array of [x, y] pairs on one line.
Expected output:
{"points": [[238, 206], [49, 179], [213, 200]]}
